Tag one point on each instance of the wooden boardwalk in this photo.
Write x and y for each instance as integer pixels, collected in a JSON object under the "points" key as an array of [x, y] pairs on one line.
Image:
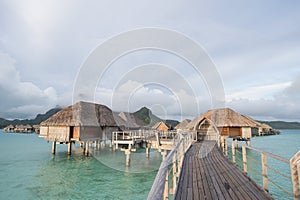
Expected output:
{"points": [[207, 174]]}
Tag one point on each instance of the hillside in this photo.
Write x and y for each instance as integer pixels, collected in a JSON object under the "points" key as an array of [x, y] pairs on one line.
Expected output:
{"points": [[37, 120], [146, 115], [282, 124]]}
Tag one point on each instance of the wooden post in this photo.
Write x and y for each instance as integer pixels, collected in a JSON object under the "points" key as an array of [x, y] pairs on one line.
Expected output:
{"points": [[226, 147], [166, 191], [84, 147], [233, 150], [98, 144], [53, 147], [69, 148], [174, 173], [223, 144], [147, 152], [87, 148], [295, 174], [244, 158], [127, 153], [264, 171], [248, 142], [157, 138]]}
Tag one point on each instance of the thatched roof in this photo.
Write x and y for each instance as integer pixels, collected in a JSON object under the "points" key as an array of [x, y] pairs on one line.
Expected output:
{"points": [[82, 114], [183, 124], [224, 117]]}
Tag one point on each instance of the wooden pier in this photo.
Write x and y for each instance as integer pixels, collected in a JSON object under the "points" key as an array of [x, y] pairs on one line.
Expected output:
{"points": [[207, 174]]}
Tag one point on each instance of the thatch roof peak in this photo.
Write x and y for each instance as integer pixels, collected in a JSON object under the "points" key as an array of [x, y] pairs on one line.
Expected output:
{"points": [[183, 124], [82, 114], [225, 117]]}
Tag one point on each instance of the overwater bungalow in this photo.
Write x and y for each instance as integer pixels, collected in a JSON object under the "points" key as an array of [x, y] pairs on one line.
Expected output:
{"points": [[224, 122], [9, 128], [82, 121], [161, 126], [23, 129]]}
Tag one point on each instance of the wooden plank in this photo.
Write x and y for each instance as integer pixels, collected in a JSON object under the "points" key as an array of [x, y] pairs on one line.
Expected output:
{"points": [[214, 177]]}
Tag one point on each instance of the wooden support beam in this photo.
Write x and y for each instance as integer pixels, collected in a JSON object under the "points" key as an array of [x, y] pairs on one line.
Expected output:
{"points": [[249, 143], [174, 172], [87, 149], [264, 171], [244, 158], [166, 191], [127, 153], [69, 148], [53, 147], [147, 152], [233, 150]]}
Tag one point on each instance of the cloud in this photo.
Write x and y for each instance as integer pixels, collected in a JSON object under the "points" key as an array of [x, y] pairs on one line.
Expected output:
{"points": [[284, 105], [19, 98], [167, 103]]}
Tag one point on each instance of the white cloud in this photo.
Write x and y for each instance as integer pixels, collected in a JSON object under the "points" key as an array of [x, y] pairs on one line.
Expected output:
{"points": [[21, 99]]}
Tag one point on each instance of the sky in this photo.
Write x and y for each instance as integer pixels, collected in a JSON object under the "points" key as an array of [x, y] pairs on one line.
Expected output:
{"points": [[254, 47]]}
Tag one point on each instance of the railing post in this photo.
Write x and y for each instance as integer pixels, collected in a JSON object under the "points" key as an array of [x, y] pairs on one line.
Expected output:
{"points": [[166, 191], [295, 173], [226, 147], [264, 171], [233, 150], [174, 173], [244, 158]]}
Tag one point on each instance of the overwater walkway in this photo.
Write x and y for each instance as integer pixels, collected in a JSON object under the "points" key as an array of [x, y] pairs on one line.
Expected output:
{"points": [[208, 174]]}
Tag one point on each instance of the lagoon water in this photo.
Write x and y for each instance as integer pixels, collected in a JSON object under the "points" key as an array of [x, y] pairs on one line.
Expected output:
{"points": [[29, 171]]}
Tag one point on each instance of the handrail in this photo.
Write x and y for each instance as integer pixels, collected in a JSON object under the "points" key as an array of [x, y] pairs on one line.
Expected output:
{"points": [[160, 188], [293, 177], [269, 154]]}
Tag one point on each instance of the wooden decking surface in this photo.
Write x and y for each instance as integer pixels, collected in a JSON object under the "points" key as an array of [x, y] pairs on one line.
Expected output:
{"points": [[207, 174]]}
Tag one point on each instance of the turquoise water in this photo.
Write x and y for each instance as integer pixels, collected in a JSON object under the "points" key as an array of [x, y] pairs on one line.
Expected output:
{"points": [[286, 145], [29, 171]]}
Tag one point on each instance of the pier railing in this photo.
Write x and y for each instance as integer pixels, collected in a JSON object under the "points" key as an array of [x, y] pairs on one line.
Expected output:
{"points": [[258, 157], [167, 177]]}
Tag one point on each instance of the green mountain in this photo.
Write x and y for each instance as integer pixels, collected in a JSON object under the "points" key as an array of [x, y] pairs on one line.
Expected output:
{"points": [[282, 124], [146, 115], [37, 120]]}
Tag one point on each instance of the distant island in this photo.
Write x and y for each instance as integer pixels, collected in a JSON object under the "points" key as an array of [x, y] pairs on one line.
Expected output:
{"points": [[282, 124], [144, 114]]}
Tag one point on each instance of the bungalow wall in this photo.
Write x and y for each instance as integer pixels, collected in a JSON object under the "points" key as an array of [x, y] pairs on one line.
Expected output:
{"points": [[230, 131], [78, 133]]}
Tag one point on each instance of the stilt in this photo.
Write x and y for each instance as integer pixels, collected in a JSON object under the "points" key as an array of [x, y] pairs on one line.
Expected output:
{"points": [[127, 153], [87, 149], [226, 147], [69, 148], [99, 144], [233, 150], [53, 147], [236, 144], [84, 147], [248, 143], [147, 152]]}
